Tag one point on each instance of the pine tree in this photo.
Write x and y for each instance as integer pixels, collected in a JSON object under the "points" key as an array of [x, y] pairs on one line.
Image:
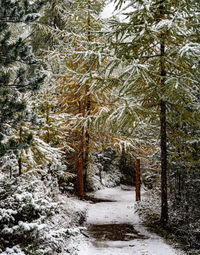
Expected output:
{"points": [[19, 70], [157, 49]]}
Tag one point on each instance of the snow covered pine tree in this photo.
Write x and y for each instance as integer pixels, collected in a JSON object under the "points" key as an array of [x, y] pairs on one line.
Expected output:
{"points": [[19, 70]]}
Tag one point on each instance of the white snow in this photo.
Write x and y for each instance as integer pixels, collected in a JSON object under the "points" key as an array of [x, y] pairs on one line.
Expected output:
{"points": [[118, 212], [16, 250], [108, 11]]}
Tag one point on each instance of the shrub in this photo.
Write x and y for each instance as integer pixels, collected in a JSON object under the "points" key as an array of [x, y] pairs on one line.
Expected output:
{"points": [[24, 206]]}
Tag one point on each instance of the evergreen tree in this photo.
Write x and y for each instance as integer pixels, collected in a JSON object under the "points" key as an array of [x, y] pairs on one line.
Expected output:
{"points": [[158, 52], [19, 70]]}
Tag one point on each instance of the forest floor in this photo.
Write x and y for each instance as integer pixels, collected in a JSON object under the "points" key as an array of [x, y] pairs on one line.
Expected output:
{"points": [[114, 228]]}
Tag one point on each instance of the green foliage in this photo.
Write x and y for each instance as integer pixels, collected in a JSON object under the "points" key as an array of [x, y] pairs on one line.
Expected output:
{"points": [[134, 66], [18, 11], [19, 68], [155, 60]]}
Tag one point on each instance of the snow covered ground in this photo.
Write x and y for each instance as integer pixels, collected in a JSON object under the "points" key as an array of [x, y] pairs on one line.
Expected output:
{"points": [[120, 211]]}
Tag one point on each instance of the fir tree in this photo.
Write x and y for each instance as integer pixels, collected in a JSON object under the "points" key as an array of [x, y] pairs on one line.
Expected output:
{"points": [[18, 67]]}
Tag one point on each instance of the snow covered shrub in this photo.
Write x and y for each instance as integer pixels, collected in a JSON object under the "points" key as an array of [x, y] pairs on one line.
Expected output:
{"points": [[149, 207], [24, 206], [36, 219], [16, 250]]}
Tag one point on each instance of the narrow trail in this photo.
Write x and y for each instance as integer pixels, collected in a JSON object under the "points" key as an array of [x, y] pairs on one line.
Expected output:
{"points": [[114, 228]]}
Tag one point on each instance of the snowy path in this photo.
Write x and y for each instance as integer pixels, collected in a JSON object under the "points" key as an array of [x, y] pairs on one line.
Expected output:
{"points": [[118, 217]]}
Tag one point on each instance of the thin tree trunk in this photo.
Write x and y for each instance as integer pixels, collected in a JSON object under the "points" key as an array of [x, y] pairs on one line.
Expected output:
{"points": [[163, 133], [87, 104], [11, 172], [47, 121], [80, 177], [164, 203], [48, 139], [138, 180], [20, 156], [20, 165], [81, 156]]}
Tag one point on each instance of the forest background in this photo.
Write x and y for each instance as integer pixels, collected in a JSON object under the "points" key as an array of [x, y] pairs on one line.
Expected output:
{"points": [[77, 90]]}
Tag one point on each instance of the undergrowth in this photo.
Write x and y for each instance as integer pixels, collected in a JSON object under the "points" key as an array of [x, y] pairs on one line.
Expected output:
{"points": [[175, 232]]}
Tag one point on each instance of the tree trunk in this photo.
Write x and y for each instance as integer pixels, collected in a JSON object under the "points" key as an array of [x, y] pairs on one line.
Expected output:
{"points": [[81, 156], [163, 133], [11, 172], [138, 180], [20, 156], [80, 177], [20, 165], [47, 121], [87, 105], [164, 203]]}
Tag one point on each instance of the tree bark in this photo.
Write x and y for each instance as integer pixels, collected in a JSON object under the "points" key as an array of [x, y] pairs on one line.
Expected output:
{"points": [[20, 165], [11, 172], [164, 203], [81, 156], [163, 134], [80, 177], [138, 197], [20, 156], [87, 105]]}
